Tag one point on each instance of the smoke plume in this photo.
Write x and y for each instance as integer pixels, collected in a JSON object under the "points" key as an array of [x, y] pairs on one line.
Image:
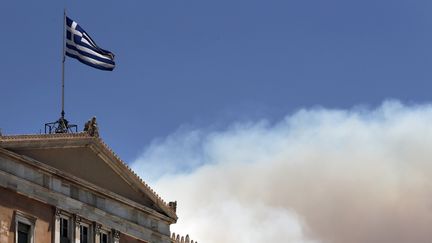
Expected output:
{"points": [[319, 175]]}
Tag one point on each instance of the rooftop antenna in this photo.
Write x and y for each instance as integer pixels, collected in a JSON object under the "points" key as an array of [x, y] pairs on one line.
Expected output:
{"points": [[61, 125]]}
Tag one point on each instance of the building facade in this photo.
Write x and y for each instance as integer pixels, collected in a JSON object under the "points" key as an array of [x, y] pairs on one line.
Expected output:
{"points": [[71, 188]]}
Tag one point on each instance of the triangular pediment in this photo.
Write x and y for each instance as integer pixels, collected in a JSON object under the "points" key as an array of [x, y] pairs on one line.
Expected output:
{"points": [[90, 159]]}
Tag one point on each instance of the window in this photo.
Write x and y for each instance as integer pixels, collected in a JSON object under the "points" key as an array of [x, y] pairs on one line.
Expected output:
{"points": [[65, 234], [24, 228], [24, 233], [84, 233], [103, 236]]}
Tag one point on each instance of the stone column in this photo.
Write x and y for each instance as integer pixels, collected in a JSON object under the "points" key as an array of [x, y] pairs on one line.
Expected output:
{"points": [[57, 226], [116, 236], [77, 231], [97, 228]]}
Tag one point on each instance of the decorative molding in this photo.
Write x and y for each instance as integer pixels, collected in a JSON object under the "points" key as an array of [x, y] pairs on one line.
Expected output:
{"points": [[83, 139], [57, 212], [116, 234], [173, 206], [77, 220], [97, 228], [22, 215], [43, 168], [24, 218], [66, 204], [45, 136], [175, 238]]}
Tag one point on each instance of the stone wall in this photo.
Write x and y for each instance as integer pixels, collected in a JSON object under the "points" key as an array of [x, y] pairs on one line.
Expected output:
{"points": [[10, 203], [128, 239], [77, 197]]}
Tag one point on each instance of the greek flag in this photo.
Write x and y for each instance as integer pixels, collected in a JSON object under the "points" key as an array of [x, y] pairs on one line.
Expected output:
{"points": [[81, 46]]}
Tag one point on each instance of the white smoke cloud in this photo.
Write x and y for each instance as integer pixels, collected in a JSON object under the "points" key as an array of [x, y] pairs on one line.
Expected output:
{"points": [[336, 176]]}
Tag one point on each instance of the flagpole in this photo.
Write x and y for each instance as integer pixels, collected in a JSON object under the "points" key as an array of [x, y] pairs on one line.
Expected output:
{"points": [[61, 125], [63, 62]]}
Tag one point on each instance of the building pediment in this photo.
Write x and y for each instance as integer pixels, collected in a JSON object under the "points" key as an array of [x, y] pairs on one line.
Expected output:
{"points": [[89, 159]]}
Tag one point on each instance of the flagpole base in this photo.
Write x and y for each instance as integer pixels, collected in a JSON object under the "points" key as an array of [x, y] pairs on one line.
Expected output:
{"points": [[60, 126]]}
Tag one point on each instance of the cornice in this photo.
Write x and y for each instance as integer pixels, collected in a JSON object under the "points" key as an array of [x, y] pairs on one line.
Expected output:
{"points": [[83, 139], [44, 168], [126, 170]]}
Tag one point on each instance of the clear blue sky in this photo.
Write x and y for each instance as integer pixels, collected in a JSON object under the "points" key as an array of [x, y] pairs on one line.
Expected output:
{"points": [[209, 63]]}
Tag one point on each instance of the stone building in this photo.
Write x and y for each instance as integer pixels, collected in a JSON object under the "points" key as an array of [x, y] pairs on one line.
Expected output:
{"points": [[71, 188]]}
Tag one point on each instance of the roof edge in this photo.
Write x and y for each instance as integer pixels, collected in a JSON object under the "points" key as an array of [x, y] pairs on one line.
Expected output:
{"points": [[84, 139]]}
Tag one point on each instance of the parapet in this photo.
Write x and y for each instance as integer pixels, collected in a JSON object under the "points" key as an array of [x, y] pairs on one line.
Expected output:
{"points": [[181, 239]]}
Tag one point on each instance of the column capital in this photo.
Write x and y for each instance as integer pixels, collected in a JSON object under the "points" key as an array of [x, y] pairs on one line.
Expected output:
{"points": [[98, 228], [77, 220], [116, 234], [57, 212]]}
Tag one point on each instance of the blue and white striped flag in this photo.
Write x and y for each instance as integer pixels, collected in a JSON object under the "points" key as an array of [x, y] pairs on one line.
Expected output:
{"points": [[80, 45]]}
